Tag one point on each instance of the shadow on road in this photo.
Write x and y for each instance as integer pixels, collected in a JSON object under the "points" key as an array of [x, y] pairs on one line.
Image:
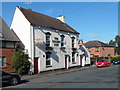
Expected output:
{"points": [[7, 84]]}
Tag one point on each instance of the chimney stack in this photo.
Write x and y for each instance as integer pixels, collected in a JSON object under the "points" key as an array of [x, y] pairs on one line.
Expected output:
{"points": [[61, 18], [29, 9]]}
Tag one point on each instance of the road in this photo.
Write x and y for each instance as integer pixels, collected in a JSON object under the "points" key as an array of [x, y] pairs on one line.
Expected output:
{"points": [[106, 77]]}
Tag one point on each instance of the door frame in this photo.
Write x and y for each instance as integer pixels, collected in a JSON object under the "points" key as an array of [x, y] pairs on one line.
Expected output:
{"points": [[66, 61]]}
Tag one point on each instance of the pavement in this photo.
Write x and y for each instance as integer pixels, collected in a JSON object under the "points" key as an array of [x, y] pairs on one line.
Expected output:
{"points": [[56, 72]]}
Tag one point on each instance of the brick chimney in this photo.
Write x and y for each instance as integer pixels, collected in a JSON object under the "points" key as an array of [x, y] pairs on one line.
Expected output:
{"points": [[61, 18], [29, 9]]}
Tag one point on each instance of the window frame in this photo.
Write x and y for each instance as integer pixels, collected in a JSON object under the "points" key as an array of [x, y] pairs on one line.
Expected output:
{"points": [[73, 41], [73, 58], [48, 41], [48, 59], [62, 41], [3, 61], [96, 49]]}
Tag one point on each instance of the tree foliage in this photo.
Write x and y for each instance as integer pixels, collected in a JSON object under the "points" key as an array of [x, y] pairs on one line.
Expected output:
{"points": [[20, 62], [116, 44]]}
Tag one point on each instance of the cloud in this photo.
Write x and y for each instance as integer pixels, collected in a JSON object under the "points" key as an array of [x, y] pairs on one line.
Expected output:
{"points": [[92, 35]]}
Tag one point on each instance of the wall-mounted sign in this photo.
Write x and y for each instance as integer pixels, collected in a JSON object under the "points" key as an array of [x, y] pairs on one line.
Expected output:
{"points": [[56, 41]]}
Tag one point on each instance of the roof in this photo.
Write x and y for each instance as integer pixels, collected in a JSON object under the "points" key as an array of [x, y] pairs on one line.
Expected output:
{"points": [[97, 43], [5, 33], [39, 19]]}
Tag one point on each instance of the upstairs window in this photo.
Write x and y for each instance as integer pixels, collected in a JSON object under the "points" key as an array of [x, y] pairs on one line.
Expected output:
{"points": [[2, 44], [56, 41], [73, 41], [89, 49], [1, 35], [48, 39], [96, 49], [62, 40]]}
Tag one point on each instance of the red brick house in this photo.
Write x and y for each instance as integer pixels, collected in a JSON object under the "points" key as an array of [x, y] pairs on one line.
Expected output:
{"points": [[99, 49], [8, 43]]}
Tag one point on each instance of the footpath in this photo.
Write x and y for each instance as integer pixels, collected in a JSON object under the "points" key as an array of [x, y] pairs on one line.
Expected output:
{"points": [[56, 72]]}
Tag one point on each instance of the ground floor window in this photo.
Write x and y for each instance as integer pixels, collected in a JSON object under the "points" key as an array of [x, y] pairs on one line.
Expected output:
{"points": [[73, 57], [48, 59], [3, 61]]}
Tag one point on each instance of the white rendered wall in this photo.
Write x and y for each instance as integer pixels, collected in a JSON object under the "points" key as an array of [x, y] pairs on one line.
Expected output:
{"points": [[22, 28], [57, 56], [87, 54]]}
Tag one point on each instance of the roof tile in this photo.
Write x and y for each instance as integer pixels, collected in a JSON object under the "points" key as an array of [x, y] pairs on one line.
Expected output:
{"points": [[39, 19], [97, 43]]}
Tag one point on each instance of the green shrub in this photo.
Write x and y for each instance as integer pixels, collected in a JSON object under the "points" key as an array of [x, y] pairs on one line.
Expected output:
{"points": [[20, 62], [114, 57], [20, 71]]}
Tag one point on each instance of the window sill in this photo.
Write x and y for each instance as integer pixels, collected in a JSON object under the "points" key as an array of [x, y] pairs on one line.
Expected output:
{"points": [[73, 62], [3, 67], [48, 66]]}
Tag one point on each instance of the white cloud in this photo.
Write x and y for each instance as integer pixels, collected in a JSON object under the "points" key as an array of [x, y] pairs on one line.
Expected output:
{"points": [[92, 35]]}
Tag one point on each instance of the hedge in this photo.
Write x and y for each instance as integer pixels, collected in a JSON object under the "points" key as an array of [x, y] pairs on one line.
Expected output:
{"points": [[114, 57]]}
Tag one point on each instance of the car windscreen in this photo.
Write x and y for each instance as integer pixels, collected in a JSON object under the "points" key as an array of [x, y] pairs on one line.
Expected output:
{"points": [[101, 60]]}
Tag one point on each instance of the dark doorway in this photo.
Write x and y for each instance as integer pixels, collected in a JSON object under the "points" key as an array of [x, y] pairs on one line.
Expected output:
{"points": [[35, 65]]}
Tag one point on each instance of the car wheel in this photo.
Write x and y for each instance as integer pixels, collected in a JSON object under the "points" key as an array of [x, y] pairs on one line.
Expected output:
{"points": [[14, 81]]}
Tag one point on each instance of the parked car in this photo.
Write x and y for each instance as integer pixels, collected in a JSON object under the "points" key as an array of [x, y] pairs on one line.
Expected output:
{"points": [[9, 78], [116, 61], [103, 63]]}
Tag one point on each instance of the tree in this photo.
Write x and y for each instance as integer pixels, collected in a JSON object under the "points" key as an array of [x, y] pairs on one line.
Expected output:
{"points": [[112, 43], [116, 44], [20, 62]]}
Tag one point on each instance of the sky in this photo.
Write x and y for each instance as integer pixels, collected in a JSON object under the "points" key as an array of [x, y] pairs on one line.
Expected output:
{"points": [[93, 20]]}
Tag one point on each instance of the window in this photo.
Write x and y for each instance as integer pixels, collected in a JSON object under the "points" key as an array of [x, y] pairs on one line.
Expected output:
{"points": [[62, 40], [56, 41], [48, 59], [10, 45], [48, 39], [3, 61], [73, 40], [69, 59], [89, 49], [56, 38], [3, 44], [73, 57], [1, 35], [96, 49]]}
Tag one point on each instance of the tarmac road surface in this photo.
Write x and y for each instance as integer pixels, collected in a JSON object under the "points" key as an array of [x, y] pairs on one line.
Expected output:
{"points": [[106, 77]]}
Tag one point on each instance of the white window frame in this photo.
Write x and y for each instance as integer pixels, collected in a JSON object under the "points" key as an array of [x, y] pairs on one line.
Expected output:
{"points": [[49, 59], [49, 40], [63, 41]]}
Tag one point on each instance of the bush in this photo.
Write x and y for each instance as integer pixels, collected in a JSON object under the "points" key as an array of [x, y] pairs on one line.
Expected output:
{"points": [[20, 62], [20, 71], [114, 57]]}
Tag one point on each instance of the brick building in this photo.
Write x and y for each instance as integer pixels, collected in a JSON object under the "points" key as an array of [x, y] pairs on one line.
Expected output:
{"points": [[8, 42], [99, 49]]}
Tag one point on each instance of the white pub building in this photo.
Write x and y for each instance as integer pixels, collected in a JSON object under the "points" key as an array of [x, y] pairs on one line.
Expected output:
{"points": [[50, 42]]}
